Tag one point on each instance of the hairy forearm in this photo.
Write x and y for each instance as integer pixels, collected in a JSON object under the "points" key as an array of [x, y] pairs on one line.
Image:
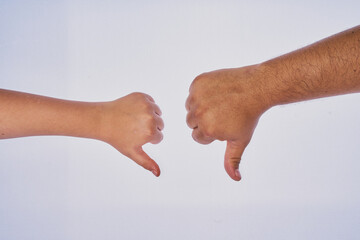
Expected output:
{"points": [[23, 114], [326, 68]]}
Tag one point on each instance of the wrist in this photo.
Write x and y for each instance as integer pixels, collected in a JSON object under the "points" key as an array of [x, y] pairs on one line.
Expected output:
{"points": [[272, 81], [263, 86], [82, 119], [97, 121]]}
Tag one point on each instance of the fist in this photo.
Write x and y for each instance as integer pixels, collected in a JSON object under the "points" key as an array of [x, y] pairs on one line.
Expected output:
{"points": [[130, 122], [226, 105]]}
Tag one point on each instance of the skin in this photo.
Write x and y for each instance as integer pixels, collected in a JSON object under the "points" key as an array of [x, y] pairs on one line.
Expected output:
{"points": [[227, 104], [126, 123]]}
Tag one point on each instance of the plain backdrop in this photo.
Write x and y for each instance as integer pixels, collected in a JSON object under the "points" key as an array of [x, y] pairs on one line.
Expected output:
{"points": [[300, 172]]}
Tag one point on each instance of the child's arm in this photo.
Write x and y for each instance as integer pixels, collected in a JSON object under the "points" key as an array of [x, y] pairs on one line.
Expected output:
{"points": [[126, 123]]}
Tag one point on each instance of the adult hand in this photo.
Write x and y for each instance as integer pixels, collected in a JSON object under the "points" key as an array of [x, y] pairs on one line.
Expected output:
{"points": [[226, 105], [130, 122]]}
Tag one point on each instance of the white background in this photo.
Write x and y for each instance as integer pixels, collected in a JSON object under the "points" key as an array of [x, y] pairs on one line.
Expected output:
{"points": [[300, 172]]}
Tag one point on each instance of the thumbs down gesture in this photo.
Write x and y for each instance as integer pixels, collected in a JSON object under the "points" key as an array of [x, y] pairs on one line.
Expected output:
{"points": [[226, 105]]}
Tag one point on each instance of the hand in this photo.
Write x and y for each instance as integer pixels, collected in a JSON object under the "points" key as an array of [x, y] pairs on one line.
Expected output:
{"points": [[226, 105], [130, 122]]}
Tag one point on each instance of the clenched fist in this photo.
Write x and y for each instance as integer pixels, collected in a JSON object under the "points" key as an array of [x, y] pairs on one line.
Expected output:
{"points": [[226, 105], [130, 122]]}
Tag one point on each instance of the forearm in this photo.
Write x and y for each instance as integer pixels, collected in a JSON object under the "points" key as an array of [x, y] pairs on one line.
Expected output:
{"points": [[326, 68], [23, 114]]}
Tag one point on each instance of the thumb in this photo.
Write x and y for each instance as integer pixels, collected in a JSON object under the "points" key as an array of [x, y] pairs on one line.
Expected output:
{"points": [[233, 155], [141, 158]]}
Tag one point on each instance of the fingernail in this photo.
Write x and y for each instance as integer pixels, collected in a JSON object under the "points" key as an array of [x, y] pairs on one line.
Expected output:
{"points": [[154, 172], [237, 173]]}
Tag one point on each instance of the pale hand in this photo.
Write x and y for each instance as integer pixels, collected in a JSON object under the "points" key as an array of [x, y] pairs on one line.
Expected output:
{"points": [[130, 122]]}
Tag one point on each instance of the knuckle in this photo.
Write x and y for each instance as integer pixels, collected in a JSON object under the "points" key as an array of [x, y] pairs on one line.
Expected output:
{"points": [[137, 94], [200, 78], [142, 97], [235, 162]]}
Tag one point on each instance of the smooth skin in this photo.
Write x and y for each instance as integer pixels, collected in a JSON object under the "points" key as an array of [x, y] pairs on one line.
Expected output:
{"points": [[227, 104], [126, 123]]}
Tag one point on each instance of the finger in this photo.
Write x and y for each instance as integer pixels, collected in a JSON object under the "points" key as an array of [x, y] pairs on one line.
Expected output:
{"points": [[141, 158], [200, 137], [191, 120], [157, 137], [159, 123], [157, 109], [232, 160]]}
